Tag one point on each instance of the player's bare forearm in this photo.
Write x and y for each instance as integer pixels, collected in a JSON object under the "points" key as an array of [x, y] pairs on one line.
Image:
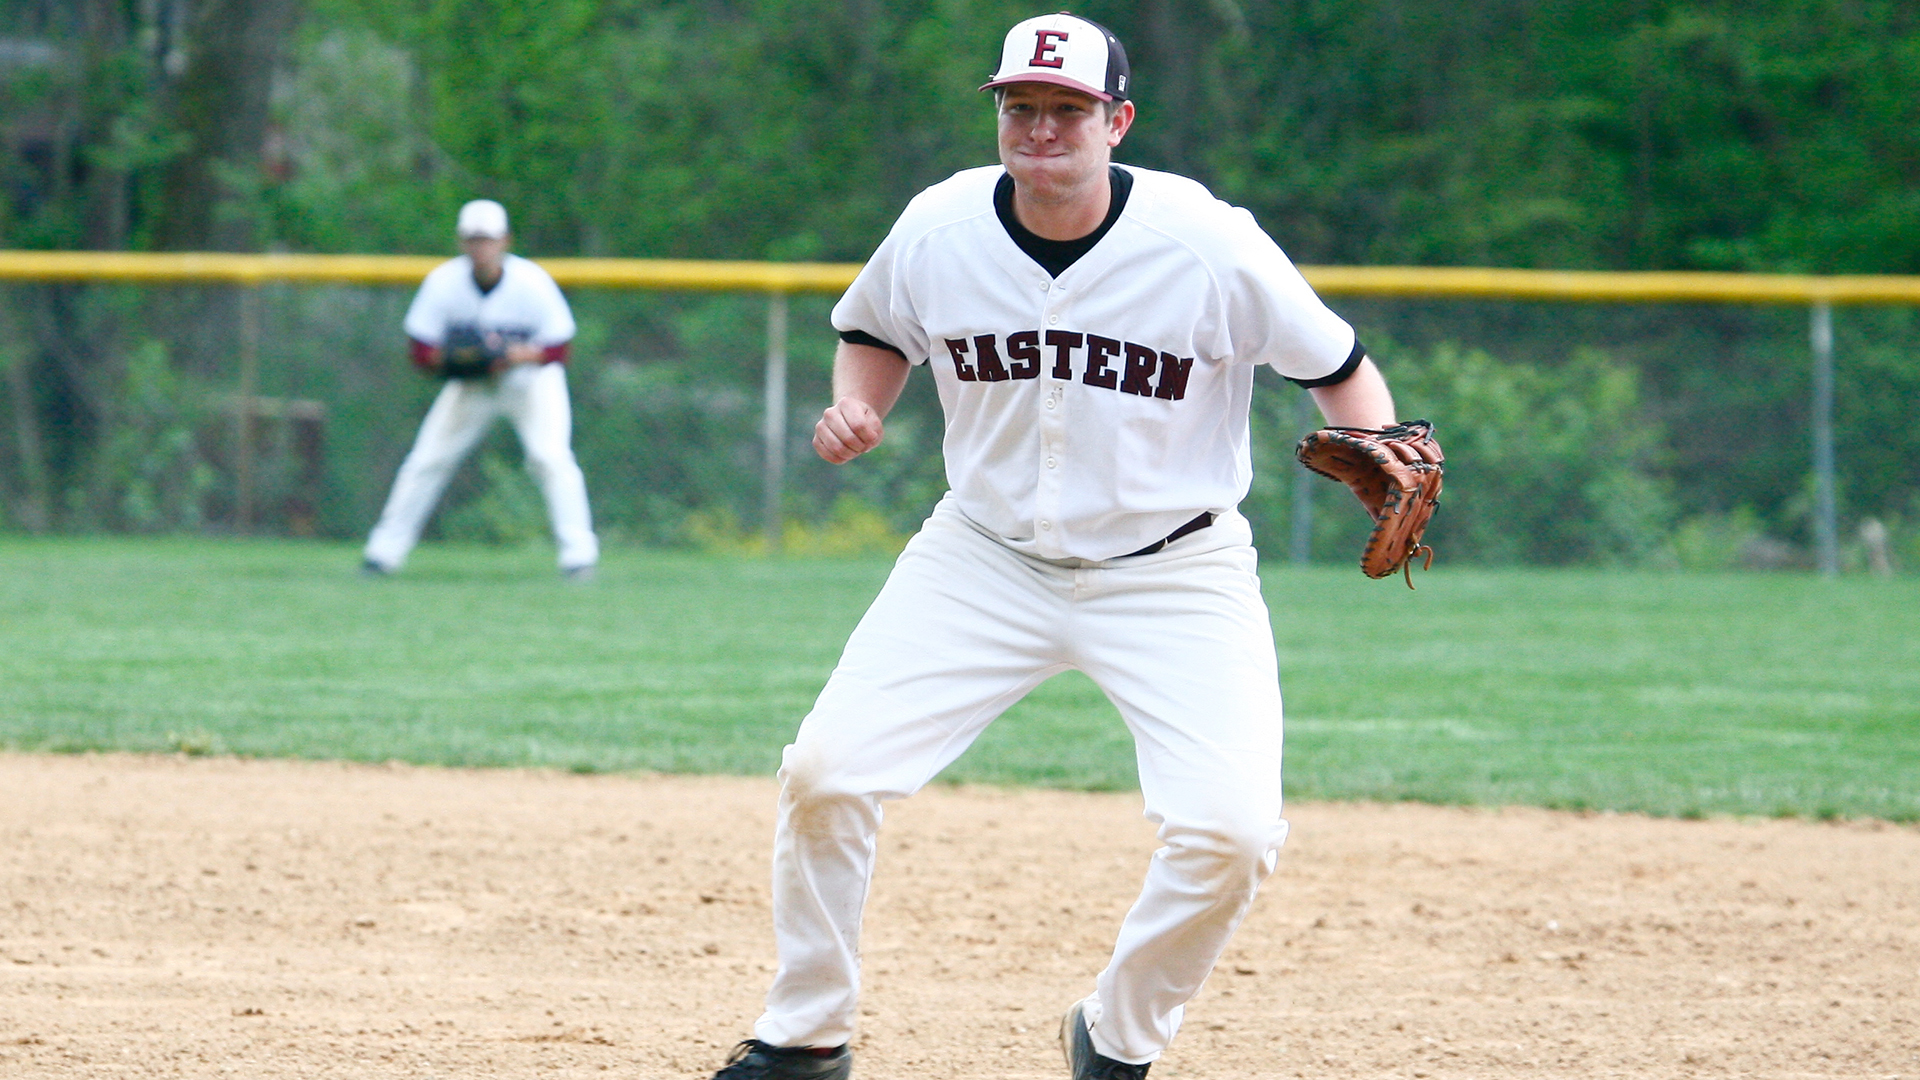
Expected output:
{"points": [[866, 383], [873, 375], [1362, 400]]}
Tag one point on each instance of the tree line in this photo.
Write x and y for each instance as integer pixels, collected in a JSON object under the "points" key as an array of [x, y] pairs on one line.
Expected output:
{"points": [[1580, 134]]}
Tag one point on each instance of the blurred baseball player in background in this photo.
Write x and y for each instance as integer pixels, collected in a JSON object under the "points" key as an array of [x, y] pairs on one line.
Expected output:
{"points": [[1093, 331], [496, 327]]}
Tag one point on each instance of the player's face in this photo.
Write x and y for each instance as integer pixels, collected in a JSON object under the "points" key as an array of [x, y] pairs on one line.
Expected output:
{"points": [[487, 252], [1054, 139]]}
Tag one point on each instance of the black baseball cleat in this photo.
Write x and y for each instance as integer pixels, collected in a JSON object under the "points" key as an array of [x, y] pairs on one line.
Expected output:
{"points": [[755, 1060], [1083, 1061], [369, 568]]}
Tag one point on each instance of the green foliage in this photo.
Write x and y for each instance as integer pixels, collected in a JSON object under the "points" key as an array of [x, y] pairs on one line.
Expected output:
{"points": [[1906, 548], [94, 181], [1876, 385], [854, 528], [509, 509], [1586, 133], [150, 474], [366, 174], [1714, 542], [515, 101], [663, 437], [906, 474], [1548, 465], [691, 129], [1629, 134], [1591, 133], [1663, 692]]}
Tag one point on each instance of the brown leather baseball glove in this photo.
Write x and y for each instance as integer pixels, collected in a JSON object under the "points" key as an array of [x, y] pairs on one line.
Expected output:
{"points": [[1396, 473]]}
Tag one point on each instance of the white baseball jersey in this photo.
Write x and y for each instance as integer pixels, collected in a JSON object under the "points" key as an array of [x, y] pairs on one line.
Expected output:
{"points": [[1089, 416], [523, 306]]}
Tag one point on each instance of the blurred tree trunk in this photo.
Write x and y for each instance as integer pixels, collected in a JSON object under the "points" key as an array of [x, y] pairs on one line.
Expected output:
{"points": [[1193, 105], [159, 142], [219, 99], [1172, 48], [105, 201], [33, 509]]}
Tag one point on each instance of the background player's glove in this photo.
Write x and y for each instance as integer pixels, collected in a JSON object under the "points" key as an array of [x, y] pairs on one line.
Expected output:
{"points": [[469, 354], [1396, 473]]}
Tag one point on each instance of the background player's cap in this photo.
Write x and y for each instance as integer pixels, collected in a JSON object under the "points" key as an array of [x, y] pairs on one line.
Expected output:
{"points": [[1065, 50], [482, 218]]}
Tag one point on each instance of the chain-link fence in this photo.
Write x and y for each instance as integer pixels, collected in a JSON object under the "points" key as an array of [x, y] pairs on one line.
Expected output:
{"points": [[1578, 432]]}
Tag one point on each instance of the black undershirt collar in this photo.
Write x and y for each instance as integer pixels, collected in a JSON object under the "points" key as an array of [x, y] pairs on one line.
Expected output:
{"points": [[1056, 255]]}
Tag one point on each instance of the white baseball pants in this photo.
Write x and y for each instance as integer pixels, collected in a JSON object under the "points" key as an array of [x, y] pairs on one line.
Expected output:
{"points": [[534, 398], [1180, 641]]}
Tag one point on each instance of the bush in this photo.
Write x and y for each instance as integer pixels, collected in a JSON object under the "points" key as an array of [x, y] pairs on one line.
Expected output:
{"points": [[1545, 465], [853, 528], [151, 474], [658, 441], [1716, 541], [509, 511]]}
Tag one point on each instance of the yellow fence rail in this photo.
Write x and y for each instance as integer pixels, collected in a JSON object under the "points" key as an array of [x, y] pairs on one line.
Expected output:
{"points": [[1472, 283], [187, 267], [1608, 286], [778, 280]]}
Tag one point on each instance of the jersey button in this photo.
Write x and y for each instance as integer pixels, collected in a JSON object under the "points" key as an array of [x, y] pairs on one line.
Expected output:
{"points": [[1046, 526], [1050, 463], [1051, 402], [1053, 320]]}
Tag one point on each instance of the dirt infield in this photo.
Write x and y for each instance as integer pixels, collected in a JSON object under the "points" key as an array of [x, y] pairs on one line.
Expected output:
{"points": [[176, 917]]}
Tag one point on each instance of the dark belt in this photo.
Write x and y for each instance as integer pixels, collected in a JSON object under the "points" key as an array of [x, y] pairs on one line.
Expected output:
{"points": [[1205, 519]]}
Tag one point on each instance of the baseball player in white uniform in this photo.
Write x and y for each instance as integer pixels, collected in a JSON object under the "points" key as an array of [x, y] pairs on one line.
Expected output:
{"points": [[1092, 330], [516, 312]]}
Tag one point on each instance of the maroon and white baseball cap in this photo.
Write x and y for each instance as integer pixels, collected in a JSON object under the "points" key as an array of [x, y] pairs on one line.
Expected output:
{"points": [[1065, 50]]}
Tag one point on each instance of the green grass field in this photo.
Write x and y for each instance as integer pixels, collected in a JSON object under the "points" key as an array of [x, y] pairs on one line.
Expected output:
{"points": [[1666, 693]]}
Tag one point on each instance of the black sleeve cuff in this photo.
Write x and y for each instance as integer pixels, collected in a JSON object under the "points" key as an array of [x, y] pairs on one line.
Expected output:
{"points": [[1346, 371], [861, 337]]}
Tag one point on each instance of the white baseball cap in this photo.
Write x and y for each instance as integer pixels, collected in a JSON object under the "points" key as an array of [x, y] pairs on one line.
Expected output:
{"points": [[1065, 50], [482, 218]]}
